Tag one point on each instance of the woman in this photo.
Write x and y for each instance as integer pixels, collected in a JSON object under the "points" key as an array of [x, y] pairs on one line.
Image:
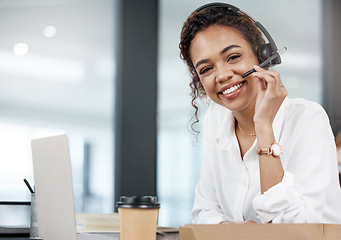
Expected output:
{"points": [[267, 158]]}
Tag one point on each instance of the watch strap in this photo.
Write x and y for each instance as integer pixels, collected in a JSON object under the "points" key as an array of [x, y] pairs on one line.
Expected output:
{"points": [[264, 151], [269, 150]]}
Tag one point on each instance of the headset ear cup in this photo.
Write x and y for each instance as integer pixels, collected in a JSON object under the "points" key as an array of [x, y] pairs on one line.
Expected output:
{"points": [[264, 52]]}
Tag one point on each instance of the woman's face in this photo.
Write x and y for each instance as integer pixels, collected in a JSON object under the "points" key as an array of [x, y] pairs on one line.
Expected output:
{"points": [[220, 56]]}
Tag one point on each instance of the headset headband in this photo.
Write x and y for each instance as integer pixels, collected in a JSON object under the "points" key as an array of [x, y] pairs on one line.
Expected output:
{"points": [[270, 46]]}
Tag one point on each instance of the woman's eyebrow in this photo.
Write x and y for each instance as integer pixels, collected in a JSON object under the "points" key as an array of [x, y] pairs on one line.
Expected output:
{"points": [[222, 52], [201, 62], [228, 48]]}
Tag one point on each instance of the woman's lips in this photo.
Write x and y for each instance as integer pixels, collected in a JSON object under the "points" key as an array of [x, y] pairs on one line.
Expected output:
{"points": [[232, 90]]}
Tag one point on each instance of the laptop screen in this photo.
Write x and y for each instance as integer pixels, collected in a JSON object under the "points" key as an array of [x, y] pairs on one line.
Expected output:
{"points": [[53, 185]]}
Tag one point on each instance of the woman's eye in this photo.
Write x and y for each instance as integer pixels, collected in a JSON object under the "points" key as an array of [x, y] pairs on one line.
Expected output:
{"points": [[205, 70], [233, 58]]}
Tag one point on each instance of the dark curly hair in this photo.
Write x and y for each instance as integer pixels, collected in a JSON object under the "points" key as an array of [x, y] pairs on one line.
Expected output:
{"points": [[200, 20]]}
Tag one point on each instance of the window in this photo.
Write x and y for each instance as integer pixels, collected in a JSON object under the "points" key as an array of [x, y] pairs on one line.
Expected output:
{"points": [[56, 76]]}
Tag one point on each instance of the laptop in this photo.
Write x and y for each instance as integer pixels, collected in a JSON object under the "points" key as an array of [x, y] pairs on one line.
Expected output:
{"points": [[54, 190]]}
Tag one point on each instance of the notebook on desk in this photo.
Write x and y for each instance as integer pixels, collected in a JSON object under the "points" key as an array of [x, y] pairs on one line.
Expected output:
{"points": [[54, 190]]}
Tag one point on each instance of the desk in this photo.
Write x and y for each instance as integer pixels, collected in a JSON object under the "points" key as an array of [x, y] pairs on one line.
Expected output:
{"points": [[7, 237], [168, 236], [89, 224]]}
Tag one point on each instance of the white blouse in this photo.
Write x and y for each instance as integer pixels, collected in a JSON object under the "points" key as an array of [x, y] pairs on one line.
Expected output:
{"points": [[229, 187]]}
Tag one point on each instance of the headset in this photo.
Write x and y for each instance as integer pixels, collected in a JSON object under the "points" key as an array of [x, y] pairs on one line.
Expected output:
{"points": [[265, 51]]}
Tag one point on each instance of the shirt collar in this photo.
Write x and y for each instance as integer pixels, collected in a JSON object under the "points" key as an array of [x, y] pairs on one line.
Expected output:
{"points": [[226, 134]]}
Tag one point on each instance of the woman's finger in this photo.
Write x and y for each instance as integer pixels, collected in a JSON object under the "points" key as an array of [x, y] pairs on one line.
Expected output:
{"points": [[272, 78]]}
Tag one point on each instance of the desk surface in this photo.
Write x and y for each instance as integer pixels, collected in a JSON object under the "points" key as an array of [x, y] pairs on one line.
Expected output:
{"points": [[168, 236], [2, 237]]}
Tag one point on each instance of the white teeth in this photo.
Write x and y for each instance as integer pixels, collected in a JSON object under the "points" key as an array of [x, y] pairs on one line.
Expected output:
{"points": [[232, 89]]}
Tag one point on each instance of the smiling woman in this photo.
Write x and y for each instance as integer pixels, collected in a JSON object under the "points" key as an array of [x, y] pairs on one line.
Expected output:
{"points": [[224, 53], [267, 158]]}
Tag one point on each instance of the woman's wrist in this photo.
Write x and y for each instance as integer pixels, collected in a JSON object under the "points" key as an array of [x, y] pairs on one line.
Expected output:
{"points": [[265, 135], [263, 129]]}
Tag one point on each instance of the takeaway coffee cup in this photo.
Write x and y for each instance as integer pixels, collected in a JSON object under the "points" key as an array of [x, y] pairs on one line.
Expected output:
{"points": [[138, 217]]}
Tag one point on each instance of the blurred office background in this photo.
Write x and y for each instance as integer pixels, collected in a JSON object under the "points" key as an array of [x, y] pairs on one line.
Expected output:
{"points": [[57, 75]]}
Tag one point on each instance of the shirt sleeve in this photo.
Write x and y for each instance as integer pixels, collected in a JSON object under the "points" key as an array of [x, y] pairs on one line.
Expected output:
{"points": [[302, 194], [206, 208]]}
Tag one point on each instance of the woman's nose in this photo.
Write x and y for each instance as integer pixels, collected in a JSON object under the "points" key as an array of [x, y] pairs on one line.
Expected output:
{"points": [[223, 74]]}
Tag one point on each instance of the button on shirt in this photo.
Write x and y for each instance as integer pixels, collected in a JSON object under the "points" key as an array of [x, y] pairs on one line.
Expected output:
{"points": [[229, 187]]}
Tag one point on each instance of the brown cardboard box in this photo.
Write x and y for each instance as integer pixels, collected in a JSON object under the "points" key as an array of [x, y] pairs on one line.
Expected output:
{"points": [[261, 232], [332, 232]]}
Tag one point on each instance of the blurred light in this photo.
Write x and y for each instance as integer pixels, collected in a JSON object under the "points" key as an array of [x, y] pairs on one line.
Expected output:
{"points": [[301, 60], [50, 31], [21, 49], [42, 67]]}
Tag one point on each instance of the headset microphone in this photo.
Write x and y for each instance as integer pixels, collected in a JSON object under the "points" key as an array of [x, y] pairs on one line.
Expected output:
{"points": [[266, 62]]}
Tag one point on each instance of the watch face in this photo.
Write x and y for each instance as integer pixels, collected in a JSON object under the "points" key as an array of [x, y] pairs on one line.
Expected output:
{"points": [[276, 149]]}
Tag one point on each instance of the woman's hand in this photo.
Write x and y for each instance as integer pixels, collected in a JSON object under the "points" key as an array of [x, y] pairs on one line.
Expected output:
{"points": [[271, 93]]}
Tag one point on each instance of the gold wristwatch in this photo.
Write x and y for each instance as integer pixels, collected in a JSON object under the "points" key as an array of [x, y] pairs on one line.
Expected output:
{"points": [[275, 150]]}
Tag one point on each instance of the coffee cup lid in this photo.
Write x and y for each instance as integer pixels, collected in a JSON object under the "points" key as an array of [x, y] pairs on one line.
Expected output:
{"points": [[148, 202]]}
